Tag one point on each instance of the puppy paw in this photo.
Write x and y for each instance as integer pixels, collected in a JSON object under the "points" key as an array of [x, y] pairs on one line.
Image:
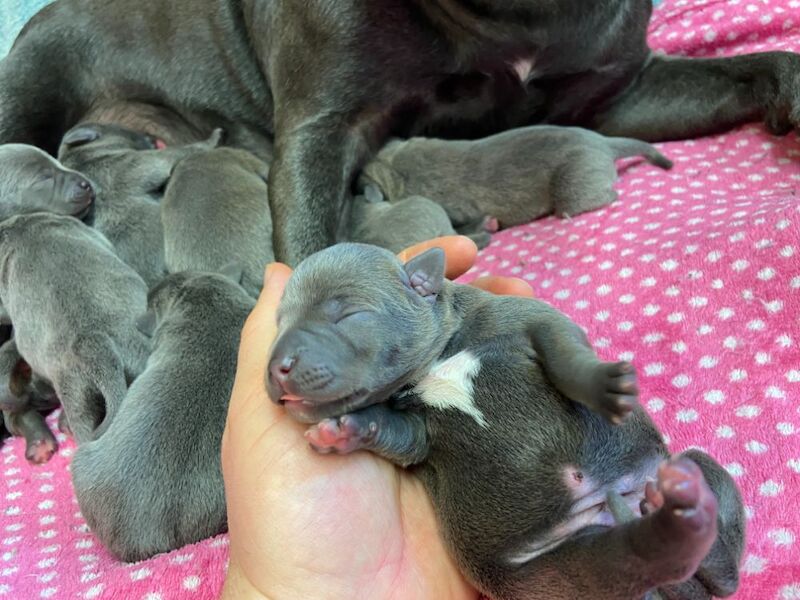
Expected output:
{"points": [[616, 390], [343, 435], [685, 508], [782, 102], [40, 451], [63, 424]]}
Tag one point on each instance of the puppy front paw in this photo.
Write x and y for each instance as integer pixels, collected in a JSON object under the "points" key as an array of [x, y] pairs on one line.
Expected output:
{"points": [[341, 435]]}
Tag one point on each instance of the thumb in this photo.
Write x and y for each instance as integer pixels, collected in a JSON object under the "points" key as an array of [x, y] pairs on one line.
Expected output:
{"points": [[249, 404]]}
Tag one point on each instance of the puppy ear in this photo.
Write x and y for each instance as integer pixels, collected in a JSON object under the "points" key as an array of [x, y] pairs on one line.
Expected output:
{"points": [[426, 273], [234, 271], [80, 136], [147, 323]]}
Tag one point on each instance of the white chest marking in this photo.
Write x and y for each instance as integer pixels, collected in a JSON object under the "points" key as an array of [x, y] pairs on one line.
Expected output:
{"points": [[523, 67], [449, 385]]}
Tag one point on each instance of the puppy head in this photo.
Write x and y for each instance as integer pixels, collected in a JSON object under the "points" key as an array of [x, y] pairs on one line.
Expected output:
{"points": [[95, 136], [354, 326], [33, 181], [203, 291]]}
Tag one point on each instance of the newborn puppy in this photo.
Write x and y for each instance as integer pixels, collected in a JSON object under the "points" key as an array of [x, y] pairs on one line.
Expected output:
{"points": [[399, 225], [73, 304], [215, 211], [144, 498], [513, 177], [33, 181], [25, 398], [517, 429], [131, 176]]}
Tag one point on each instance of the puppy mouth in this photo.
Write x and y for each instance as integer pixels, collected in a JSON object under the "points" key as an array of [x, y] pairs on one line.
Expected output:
{"points": [[86, 215], [314, 410]]}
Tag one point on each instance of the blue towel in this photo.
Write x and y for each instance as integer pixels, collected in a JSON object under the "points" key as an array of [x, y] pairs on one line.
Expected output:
{"points": [[13, 15]]}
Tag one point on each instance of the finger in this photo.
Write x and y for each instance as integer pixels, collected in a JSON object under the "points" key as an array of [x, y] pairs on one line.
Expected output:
{"points": [[249, 404], [504, 286], [460, 253]]}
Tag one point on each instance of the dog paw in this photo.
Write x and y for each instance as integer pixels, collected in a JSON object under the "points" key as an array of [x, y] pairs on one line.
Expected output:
{"points": [[616, 390], [341, 435], [683, 504], [63, 424], [40, 451]]}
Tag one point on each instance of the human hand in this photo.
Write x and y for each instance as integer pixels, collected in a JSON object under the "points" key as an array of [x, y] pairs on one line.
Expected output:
{"points": [[309, 526]]}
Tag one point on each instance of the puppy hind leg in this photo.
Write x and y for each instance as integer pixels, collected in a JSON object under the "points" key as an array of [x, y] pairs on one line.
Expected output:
{"points": [[40, 443], [718, 574], [627, 561], [583, 184]]}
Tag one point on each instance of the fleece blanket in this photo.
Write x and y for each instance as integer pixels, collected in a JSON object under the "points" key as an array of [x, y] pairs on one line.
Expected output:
{"points": [[693, 275]]}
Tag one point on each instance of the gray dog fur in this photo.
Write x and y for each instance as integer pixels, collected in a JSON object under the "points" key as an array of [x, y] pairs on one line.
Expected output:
{"points": [[367, 70], [215, 211], [514, 177], [33, 181], [130, 175], [24, 399], [169, 492], [474, 391], [73, 304]]}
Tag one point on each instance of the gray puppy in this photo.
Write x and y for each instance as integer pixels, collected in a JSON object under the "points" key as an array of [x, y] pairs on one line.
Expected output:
{"points": [[130, 175], [73, 304], [25, 398], [507, 415], [33, 181], [144, 498], [513, 177], [215, 211]]}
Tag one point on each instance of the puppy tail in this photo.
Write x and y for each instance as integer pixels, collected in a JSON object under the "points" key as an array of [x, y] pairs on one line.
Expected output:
{"points": [[625, 147]]}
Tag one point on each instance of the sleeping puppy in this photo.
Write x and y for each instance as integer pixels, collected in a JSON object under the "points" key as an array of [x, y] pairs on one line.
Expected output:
{"points": [[130, 175], [143, 499], [73, 304], [517, 429], [25, 398], [33, 181], [512, 177], [399, 225], [216, 211]]}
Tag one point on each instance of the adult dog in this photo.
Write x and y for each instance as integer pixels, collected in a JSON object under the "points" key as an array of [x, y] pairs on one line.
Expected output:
{"points": [[329, 81]]}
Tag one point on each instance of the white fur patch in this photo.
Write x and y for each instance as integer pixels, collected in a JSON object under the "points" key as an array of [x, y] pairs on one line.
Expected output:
{"points": [[449, 385]]}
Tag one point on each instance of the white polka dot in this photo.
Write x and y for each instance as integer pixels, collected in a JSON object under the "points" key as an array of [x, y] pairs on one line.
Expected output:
{"points": [[48, 592], [735, 469], [655, 404], [93, 592], [770, 488], [775, 393], [604, 290], [755, 447], [152, 596], [669, 265], [192, 582], [653, 369], [688, 415], [756, 325], [698, 302], [794, 464], [793, 376], [762, 358], [790, 592], [748, 411], [740, 265], [676, 317], [681, 381], [738, 375], [730, 343], [754, 564], [725, 313], [781, 537], [725, 432], [708, 362], [140, 574], [679, 347], [766, 274]]}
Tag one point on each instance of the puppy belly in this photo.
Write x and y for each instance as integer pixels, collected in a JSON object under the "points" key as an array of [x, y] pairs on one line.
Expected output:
{"points": [[589, 507]]}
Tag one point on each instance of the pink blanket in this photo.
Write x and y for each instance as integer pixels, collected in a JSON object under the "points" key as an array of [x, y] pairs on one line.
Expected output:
{"points": [[694, 275]]}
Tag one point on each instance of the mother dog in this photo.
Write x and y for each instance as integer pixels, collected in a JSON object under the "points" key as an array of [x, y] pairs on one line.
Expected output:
{"points": [[328, 81]]}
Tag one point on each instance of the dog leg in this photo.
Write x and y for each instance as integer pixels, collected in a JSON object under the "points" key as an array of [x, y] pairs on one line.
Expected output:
{"points": [[677, 98], [309, 185], [575, 370], [718, 575], [625, 562], [398, 436], [40, 444]]}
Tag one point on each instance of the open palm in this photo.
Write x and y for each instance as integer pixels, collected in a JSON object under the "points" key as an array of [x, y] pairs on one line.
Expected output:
{"points": [[309, 526]]}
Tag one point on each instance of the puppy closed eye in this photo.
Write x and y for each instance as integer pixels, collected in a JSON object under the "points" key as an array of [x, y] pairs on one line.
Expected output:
{"points": [[354, 316]]}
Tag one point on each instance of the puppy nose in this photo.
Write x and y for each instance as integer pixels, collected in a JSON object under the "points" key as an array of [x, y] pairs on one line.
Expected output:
{"points": [[281, 367], [82, 192]]}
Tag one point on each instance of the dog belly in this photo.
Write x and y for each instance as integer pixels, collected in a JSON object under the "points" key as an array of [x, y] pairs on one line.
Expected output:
{"points": [[589, 507]]}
